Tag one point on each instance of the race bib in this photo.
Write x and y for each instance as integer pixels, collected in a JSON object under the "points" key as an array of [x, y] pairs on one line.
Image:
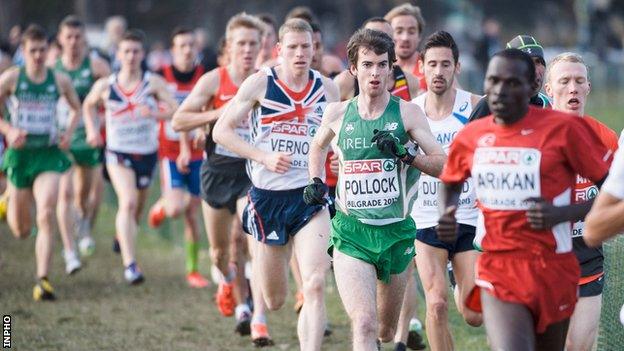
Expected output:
{"points": [[505, 177], [369, 183], [36, 117], [293, 139]]}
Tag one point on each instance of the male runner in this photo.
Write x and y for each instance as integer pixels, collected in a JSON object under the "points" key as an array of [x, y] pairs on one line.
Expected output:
{"points": [[269, 39], [79, 189], [533, 48], [34, 161], [130, 99], [400, 83], [447, 110], [224, 183], [287, 101], [521, 160], [408, 24], [568, 85], [180, 160], [372, 235]]}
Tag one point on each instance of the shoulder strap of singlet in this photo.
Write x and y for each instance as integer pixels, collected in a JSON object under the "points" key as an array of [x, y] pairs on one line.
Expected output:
{"points": [[168, 74], [460, 107]]}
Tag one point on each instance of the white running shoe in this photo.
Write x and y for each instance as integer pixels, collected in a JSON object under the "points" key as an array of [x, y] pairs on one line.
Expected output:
{"points": [[86, 244], [72, 262], [133, 274]]}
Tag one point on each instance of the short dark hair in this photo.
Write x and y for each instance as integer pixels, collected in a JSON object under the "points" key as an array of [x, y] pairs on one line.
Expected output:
{"points": [[303, 12], [376, 19], [374, 40], [441, 39], [134, 35], [179, 30], [34, 32], [316, 28], [519, 55], [268, 19], [71, 21]]}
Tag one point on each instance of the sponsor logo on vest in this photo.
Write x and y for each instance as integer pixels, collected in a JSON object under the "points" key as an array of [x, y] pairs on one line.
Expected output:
{"points": [[487, 140], [23, 86], [391, 126], [463, 107], [84, 73], [349, 128], [51, 88], [366, 166], [294, 129]]}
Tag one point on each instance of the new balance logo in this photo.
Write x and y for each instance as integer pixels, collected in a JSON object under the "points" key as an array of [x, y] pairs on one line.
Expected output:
{"points": [[409, 250], [273, 236]]}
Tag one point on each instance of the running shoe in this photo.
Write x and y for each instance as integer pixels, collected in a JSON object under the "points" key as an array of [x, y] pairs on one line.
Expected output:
{"points": [[156, 215], [86, 244], [196, 280], [399, 346], [298, 302], [133, 274], [43, 290], [72, 262], [225, 299], [243, 323], [260, 335], [4, 203], [415, 341]]}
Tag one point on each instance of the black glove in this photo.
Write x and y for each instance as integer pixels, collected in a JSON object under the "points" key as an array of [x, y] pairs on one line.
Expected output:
{"points": [[388, 143], [314, 193]]}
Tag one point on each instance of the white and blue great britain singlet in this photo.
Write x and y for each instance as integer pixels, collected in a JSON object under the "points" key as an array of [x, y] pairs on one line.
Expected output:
{"points": [[126, 129], [425, 211], [286, 121]]}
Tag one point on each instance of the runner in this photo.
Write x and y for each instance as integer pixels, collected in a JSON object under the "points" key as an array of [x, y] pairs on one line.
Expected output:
{"points": [[370, 271], [287, 103], [400, 83], [34, 161], [224, 183], [447, 110], [567, 84], [522, 161], [79, 189], [180, 158], [269, 39], [130, 98], [408, 25], [533, 48]]}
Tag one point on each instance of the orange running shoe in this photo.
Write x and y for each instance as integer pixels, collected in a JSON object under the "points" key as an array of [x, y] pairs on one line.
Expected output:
{"points": [[260, 335], [298, 302], [196, 280], [156, 215], [225, 299]]}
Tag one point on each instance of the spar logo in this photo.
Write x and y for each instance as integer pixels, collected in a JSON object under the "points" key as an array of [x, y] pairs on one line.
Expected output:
{"points": [[506, 157], [389, 165], [363, 167], [529, 157], [294, 129]]}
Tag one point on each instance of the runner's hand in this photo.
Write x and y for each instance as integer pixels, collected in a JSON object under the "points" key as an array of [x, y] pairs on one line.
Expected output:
{"points": [[315, 192], [386, 142], [334, 164], [183, 160], [277, 162], [64, 141], [16, 138], [199, 140], [447, 225], [95, 139], [542, 214]]}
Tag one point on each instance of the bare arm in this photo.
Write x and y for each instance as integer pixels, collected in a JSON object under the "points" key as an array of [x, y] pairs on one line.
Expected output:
{"points": [[325, 134], [89, 111], [69, 93], [605, 220], [417, 126], [414, 84], [100, 68], [191, 113], [332, 94], [8, 79], [246, 98], [163, 94], [346, 85]]}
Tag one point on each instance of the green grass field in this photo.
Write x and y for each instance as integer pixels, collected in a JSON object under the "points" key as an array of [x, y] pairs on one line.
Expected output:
{"points": [[96, 310]]}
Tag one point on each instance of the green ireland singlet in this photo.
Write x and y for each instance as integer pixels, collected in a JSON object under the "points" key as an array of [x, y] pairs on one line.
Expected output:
{"points": [[82, 80], [33, 109], [374, 194]]}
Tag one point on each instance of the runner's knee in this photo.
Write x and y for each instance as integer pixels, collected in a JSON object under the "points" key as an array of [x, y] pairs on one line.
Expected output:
{"points": [[437, 307], [45, 216], [20, 230], [364, 326], [128, 205], [386, 332], [313, 286], [219, 256], [275, 301]]}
